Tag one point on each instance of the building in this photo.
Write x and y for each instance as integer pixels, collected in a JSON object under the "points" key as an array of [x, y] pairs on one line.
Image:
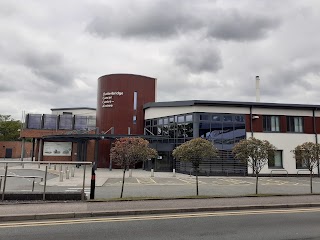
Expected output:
{"points": [[126, 106]]}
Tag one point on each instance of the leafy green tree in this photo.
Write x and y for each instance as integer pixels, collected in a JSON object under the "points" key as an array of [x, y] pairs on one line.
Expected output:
{"points": [[308, 154], [195, 151], [255, 153], [128, 151], [9, 128]]}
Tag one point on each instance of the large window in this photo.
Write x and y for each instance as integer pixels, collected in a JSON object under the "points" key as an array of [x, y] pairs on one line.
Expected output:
{"points": [[276, 160], [271, 124], [295, 124]]}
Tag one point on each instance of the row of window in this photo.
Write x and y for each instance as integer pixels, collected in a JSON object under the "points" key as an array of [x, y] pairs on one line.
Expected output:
{"points": [[272, 124], [169, 120], [277, 162]]}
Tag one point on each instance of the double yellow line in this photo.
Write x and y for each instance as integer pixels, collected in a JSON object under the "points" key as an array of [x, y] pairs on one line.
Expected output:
{"points": [[154, 217]]}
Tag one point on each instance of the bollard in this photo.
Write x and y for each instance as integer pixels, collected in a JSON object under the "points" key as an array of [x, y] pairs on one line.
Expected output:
{"points": [[39, 165], [67, 174], [130, 172], [60, 168], [173, 173], [152, 173], [61, 176], [22, 165], [66, 169], [55, 167], [93, 182], [49, 165], [72, 171]]}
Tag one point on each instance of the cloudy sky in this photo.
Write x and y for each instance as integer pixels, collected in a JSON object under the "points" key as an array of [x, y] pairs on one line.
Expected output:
{"points": [[52, 52]]}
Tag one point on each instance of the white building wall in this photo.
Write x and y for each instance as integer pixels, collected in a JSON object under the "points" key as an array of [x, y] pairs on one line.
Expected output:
{"points": [[287, 112], [82, 112], [157, 112], [285, 142]]}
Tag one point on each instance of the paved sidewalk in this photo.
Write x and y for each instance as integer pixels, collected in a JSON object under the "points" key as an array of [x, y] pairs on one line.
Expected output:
{"points": [[102, 174], [58, 210]]}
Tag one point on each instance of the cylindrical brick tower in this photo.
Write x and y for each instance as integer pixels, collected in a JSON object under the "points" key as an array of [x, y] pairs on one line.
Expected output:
{"points": [[120, 106]]}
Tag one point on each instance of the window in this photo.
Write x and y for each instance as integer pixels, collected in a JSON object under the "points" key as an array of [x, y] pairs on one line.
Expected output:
{"points": [[295, 124], [134, 119], [227, 118], [276, 161], [301, 163], [216, 118], [271, 124], [180, 119], [204, 117], [135, 100], [188, 118], [239, 118]]}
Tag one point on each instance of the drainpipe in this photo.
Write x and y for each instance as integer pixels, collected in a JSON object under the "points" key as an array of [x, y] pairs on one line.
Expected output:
{"points": [[251, 121], [315, 133]]}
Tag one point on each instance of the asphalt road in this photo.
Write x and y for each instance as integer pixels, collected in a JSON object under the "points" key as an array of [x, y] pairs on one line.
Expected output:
{"points": [[259, 224]]}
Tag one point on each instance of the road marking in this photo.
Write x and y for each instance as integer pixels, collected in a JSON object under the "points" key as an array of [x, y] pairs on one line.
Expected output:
{"points": [[157, 217], [74, 189], [146, 181], [191, 181]]}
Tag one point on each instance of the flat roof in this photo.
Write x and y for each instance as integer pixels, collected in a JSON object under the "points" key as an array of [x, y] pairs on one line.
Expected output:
{"points": [[75, 108], [229, 104]]}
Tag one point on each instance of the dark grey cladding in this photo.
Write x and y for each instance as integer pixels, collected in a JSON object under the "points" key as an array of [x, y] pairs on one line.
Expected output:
{"points": [[229, 104]]}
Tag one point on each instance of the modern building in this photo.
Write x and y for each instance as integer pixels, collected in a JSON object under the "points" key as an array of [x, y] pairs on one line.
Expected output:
{"points": [[126, 106]]}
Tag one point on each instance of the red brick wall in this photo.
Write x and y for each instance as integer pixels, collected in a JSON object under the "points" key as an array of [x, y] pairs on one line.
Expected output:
{"points": [[16, 148], [308, 124], [283, 124], [120, 116], [257, 124]]}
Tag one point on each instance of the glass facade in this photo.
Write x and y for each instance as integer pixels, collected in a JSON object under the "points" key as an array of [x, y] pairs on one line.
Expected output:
{"points": [[223, 130]]}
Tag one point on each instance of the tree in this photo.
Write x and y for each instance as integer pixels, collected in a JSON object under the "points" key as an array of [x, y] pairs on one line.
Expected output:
{"points": [[308, 154], [128, 151], [195, 151], [9, 128], [255, 153]]}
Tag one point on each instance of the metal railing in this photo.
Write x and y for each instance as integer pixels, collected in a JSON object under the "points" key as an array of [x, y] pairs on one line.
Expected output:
{"points": [[302, 170], [46, 163], [279, 170]]}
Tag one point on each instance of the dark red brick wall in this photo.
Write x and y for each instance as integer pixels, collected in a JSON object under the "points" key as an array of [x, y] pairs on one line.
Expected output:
{"points": [[283, 124], [16, 148], [120, 116], [308, 124], [257, 124]]}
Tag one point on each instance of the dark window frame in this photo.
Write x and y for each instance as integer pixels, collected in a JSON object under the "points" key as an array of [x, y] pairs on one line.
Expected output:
{"points": [[291, 126], [273, 162], [267, 123]]}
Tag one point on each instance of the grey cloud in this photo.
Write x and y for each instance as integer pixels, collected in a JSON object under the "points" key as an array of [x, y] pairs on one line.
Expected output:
{"points": [[232, 25], [159, 19], [165, 19], [286, 78], [198, 58], [49, 66]]}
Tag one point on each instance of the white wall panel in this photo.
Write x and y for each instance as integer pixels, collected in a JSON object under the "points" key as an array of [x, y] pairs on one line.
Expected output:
{"points": [[285, 142], [288, 112]]}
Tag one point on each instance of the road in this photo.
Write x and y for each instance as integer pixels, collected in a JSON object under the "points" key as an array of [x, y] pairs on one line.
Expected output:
{"points": [[259, 224]]}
